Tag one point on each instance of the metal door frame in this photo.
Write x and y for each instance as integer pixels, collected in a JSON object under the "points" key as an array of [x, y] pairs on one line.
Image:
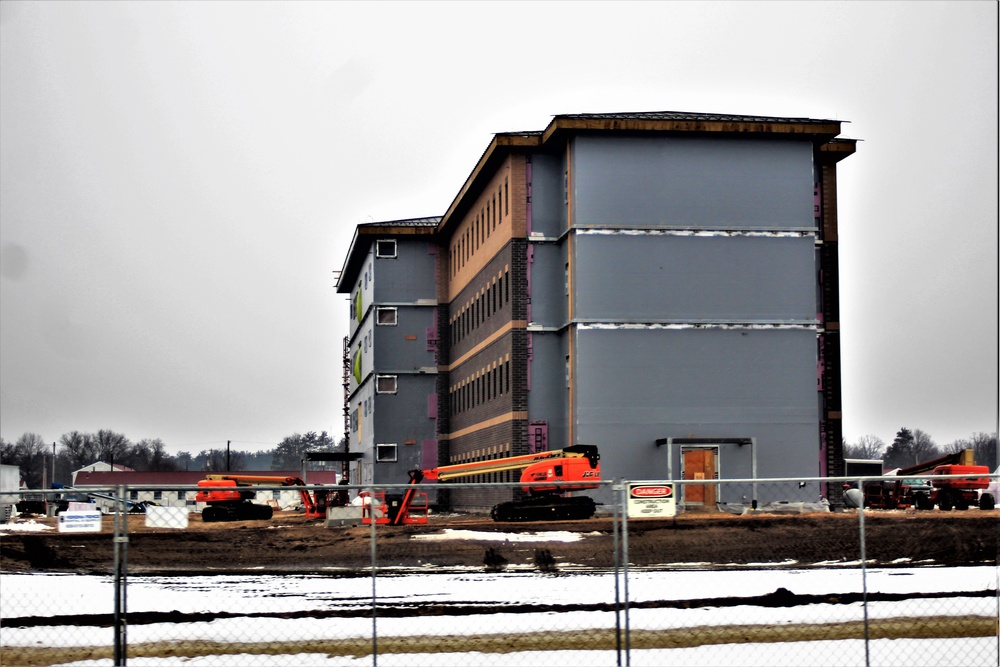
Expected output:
{"points": [[707, 442]]}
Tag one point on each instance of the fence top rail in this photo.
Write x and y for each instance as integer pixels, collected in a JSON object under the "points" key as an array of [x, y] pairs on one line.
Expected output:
{"points": [[76, 490]]}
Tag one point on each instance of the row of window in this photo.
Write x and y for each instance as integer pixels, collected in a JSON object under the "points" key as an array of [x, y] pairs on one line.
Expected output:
{"points": [[490, 214], [489, 384], [487, 302]]}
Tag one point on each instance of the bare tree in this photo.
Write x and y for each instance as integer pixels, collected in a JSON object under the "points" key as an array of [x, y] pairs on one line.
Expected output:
{"points": [[984, 446], [867, 447], [79, 449], [215, 460], [151, 455], [111, 447], [7, 452], [28, 454], [924, 448]]}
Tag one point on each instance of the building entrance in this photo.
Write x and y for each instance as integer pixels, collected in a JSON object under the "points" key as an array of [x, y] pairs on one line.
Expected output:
{"points": [[699, 463]]}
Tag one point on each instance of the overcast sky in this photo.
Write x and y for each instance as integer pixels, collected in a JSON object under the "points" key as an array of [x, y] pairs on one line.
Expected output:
{"points": [[179, 181]]}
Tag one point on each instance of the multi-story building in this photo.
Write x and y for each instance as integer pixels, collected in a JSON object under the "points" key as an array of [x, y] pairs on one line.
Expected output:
{"points": [[391, 354], [661, 285]]}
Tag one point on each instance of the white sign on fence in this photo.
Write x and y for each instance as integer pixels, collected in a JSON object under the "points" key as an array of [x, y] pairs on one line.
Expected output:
{"points": [[80, 522], [651, 500], [166, 517]]}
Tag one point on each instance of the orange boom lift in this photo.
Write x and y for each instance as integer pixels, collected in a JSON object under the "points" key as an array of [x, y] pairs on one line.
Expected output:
{"points": [[545, 477], [230, 498]]}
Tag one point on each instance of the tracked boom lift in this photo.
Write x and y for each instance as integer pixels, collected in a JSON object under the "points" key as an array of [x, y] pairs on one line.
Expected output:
{"points": [[229, 497], [542, 478]]}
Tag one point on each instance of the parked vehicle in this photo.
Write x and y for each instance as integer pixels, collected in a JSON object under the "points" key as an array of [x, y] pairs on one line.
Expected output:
{"points": [[924, 494], [962, 493]]}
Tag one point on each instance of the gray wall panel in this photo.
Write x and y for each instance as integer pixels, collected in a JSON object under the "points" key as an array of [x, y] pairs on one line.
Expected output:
{"points": [[635, 386], [547, 395], [692, 182], [401, 417], [548, 285], [393, 352], [407, 277], [548, 198], [694, 278]]}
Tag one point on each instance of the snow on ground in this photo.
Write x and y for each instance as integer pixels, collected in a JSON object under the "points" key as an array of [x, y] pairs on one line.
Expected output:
{"points": [[86, 594], [22, 526], [58, 594], [44, 594], [549, 536]]}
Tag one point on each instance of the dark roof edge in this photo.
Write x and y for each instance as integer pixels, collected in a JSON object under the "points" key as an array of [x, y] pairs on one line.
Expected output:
{"points": [[366, 231], [563, 125]]}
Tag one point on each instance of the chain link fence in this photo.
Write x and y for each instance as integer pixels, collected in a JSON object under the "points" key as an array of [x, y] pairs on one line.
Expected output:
{"points": [[720, 572]]}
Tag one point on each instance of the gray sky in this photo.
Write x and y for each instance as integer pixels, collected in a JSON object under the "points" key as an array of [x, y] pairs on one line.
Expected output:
{"points": [[178, 181]]}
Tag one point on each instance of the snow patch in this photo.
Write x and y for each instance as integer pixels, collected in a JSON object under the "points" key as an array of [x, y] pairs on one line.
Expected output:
{"points": [[450, 534], [29, 526]]}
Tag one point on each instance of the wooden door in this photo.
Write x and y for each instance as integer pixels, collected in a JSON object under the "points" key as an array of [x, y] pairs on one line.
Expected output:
{"points": [[699, 464]]}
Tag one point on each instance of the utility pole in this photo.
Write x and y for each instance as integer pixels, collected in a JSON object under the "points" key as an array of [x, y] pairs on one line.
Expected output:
{"points": [[227, 456]]}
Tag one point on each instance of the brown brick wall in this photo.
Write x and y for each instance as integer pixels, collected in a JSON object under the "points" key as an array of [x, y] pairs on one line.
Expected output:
{"points": [[483, 351]]}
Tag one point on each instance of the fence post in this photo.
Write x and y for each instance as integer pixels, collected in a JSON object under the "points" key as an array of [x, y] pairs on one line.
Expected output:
{"points": [[623, 499], [864, 569], [120, 539], [372, 517], [615, 527]]}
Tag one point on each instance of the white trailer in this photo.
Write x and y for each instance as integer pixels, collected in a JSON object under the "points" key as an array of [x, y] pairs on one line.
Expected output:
{"points": [[10, 486]]}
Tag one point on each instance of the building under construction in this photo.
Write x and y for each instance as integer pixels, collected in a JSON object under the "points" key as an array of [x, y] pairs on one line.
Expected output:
{"points": [[661, 285]]}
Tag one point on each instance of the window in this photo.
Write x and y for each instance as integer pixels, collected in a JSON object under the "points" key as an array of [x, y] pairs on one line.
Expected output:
{"points": [[385, 248], [157, 495], [385, 384], [385, 316], [385, 453]]}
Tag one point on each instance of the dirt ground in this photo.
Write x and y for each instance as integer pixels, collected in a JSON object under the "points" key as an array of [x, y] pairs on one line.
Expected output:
{"points": [[289, 543]]}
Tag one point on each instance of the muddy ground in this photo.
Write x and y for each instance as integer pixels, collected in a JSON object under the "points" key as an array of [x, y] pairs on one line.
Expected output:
{"points": [[290, 543]]}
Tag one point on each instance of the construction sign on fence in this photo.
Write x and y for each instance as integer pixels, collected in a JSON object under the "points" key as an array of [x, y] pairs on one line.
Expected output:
{"points": [[651, 500]]}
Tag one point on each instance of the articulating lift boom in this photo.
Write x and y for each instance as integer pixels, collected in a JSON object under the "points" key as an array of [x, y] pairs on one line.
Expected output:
{"points": [[543, 478], [229, 498]]}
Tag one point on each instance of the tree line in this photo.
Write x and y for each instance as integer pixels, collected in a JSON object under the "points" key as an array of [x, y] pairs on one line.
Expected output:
{"points": [[909, 448], [75, 450]]}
